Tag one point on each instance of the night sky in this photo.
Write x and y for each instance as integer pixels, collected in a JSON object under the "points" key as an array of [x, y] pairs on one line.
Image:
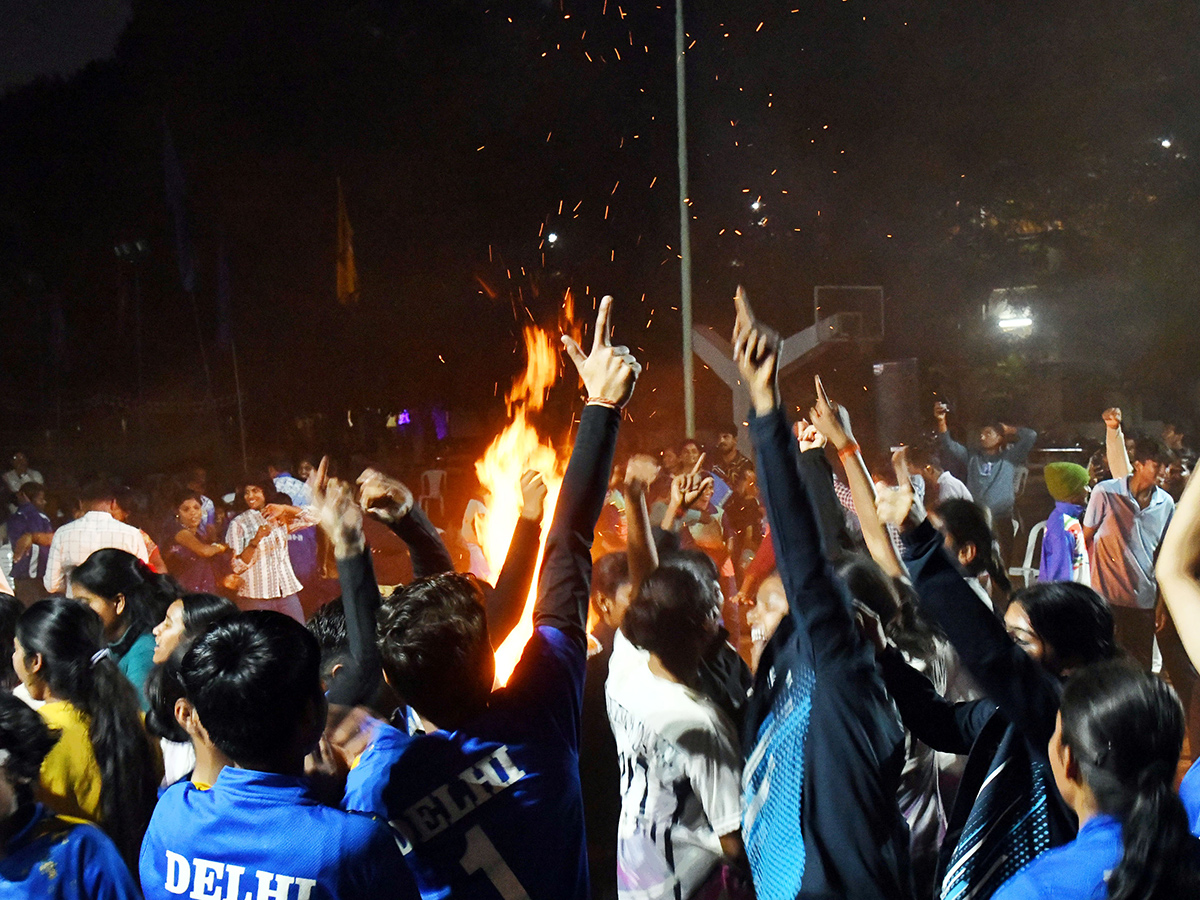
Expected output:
{"points": [[938, 149], [56, 37]]}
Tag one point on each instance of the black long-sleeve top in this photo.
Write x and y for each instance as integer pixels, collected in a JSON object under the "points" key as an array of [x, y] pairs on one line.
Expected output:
{"points": [[360, 678], [362, 674], [1010, 728], [824, 748]]}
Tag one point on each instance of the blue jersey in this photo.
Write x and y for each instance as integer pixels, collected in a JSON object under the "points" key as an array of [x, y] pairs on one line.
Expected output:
{"points": [[53, 858], [261, 836], [1189, 793], [367, 780], [494, 810]]}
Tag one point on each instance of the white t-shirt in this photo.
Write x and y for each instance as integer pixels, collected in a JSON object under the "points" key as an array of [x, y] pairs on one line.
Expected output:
{"points": [[681, 774], [950, 488]]}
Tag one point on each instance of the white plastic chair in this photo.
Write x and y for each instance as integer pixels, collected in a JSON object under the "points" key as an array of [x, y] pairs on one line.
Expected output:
{"points": [[1028, 573], [432, 482]]}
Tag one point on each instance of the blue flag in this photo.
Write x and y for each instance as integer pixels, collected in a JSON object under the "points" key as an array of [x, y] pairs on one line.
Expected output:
{"points": [[177, 203]]}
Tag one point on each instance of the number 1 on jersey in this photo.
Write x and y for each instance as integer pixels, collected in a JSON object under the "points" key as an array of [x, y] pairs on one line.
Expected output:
{"points": [[482, 856]]}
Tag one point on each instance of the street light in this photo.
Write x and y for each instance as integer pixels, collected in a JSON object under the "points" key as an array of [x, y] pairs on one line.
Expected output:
{"points": [[1012, 323]]}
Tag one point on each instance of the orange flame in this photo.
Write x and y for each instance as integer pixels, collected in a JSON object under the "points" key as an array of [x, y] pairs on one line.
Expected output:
{"points": [[515, 450]]}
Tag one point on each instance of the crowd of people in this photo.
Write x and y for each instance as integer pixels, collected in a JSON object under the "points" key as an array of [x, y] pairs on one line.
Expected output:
{"points": [[781, 677]]}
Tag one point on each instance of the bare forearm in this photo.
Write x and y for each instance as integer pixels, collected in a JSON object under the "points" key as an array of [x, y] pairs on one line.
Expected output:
{"points": [[874, 534], [1118, 456], [643, 555]]}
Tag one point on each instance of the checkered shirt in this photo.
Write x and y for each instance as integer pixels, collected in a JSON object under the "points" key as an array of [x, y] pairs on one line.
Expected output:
{"points": [[76, 541]]}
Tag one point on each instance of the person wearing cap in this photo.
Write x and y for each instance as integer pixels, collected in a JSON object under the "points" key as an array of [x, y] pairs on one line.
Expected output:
{"points": [[1064, 551]]}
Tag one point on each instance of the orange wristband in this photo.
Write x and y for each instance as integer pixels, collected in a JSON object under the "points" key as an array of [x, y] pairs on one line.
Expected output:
{"points": [[849, 450]]}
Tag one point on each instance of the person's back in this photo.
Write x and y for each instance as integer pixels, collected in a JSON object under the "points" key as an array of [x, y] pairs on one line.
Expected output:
{"points": [[266, 833], [96, 529], [1114, 753], [1064, 551], [254, 682], [681, 773], [488, 803], [43, 855], [823, 745]]}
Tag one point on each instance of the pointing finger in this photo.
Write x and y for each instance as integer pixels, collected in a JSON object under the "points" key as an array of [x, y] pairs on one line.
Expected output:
{"points": [[699, 464], [318, 478], [600, 338], [822, 397], [742, 304]]}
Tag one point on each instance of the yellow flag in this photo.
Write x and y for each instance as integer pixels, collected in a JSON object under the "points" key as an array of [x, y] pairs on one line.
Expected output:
{"points": [[347, 274]]}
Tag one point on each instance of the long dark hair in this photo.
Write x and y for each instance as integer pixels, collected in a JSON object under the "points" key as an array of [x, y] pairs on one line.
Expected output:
{"points": [[1126, 727], [164, 685], [68, 636], [109, 572], [164, 688], [1073, 620], [970, 523]]}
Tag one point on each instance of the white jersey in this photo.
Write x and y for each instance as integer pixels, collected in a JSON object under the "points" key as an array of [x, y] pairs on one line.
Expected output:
{"points": [[681, 776]]}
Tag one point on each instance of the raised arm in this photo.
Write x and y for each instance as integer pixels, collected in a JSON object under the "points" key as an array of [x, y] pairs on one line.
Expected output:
{"points": [[1024, 691], [643, 554], [817, 477], [609, 374], [1022, 440], [949, 444], [506, 601], [1178, 565], [342, 521], [814, 599], [391, 502], [1114, 444], [834, 422]]}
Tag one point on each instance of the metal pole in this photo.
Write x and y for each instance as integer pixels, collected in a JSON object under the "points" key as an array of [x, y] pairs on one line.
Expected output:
{"points": [[685, 232], [237, 385]]}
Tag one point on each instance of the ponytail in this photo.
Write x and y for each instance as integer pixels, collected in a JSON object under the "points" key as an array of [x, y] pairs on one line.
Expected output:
{"points": [[128, 768], [1159, 858], [79, 669], [1126, 727], [993, 564], [970, 523]]}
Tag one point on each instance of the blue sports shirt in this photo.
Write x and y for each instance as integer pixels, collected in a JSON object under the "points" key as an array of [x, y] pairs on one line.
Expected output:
{"points": [[262, 836], [53, 858], [494, 810]]}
